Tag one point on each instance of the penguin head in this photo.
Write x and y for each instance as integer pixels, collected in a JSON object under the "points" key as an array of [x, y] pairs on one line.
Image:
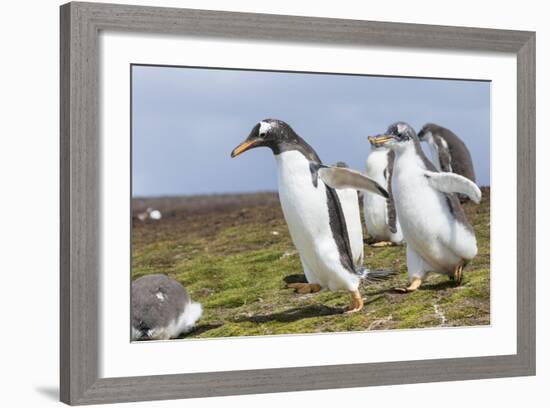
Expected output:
{"points": [[427, 132], [399, 136], [272, 133], [142, 330]]}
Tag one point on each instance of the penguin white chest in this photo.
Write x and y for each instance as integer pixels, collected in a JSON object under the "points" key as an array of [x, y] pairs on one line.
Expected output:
{"points": [[427, 223], [418, 204], [306, 210]]}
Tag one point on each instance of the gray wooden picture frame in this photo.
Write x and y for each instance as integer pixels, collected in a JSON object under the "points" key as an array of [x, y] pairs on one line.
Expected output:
{"points": [[81, 24]]}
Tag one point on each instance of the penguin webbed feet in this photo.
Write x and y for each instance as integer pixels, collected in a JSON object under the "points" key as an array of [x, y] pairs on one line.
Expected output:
{"points": [[382, 244], [356, 303], [458, 273], [413, 285], [304, 288]]}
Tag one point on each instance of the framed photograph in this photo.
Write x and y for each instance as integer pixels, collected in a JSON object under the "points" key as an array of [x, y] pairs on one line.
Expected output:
{"points": [[257, 203]]}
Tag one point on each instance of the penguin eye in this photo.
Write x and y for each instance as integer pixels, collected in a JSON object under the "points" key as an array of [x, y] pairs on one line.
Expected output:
{"points": [[262, 134]]}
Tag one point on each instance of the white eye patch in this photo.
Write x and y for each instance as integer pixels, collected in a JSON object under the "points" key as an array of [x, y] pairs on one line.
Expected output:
{"points": [[401, 128], [266, 127]]}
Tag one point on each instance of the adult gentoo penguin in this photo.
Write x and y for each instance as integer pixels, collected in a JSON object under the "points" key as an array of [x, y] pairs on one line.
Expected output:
{"points": [[312, 207], [439, 237], [380, 215], [161, 308], [449, 152]]}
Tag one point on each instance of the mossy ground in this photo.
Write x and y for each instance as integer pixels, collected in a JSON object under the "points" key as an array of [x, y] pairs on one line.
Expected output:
{"points": [[237, 259]]}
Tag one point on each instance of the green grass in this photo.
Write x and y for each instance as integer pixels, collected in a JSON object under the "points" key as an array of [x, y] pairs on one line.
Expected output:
{"points": [[235, 263]]}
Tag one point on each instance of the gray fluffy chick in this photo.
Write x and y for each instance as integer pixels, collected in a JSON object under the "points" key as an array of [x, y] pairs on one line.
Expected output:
{"points": [[161, 308]]}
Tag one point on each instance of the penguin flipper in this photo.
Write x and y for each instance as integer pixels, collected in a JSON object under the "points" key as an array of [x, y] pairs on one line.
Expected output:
{"points": [[454, 183], [391, 214], [339, 177]]}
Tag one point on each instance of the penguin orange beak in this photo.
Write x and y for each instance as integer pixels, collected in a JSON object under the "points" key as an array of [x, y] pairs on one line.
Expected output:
{"points": [[379, 140], [243, 147]]}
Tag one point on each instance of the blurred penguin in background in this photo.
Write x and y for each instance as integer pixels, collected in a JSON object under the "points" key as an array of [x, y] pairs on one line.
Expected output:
{"points": [[380, 215], [449, 153]]}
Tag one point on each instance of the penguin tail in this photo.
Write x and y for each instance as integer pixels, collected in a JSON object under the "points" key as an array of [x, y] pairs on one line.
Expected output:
{"points": [[376, 275]]}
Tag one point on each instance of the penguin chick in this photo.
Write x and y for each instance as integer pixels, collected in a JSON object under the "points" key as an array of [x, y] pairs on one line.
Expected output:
{"points": [[439, 237], [161, 308]]}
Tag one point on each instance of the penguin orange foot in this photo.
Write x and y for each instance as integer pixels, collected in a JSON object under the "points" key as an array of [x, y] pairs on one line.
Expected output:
{"points": [[414, 285], [304, 288], [382, 244], [457, 275], [356, 303]]}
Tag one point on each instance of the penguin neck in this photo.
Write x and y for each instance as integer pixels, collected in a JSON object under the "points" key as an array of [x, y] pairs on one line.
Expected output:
{"points": [[299, 145], [404, 150], [413, 153], [295, 171], [292, 160]]}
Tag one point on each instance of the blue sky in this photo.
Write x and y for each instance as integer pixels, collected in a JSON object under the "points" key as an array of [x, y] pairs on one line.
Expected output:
{"points": [[186, 121]]}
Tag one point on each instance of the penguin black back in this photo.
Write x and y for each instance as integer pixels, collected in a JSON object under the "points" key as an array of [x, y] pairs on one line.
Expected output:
{"points": [[458, 160]]}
